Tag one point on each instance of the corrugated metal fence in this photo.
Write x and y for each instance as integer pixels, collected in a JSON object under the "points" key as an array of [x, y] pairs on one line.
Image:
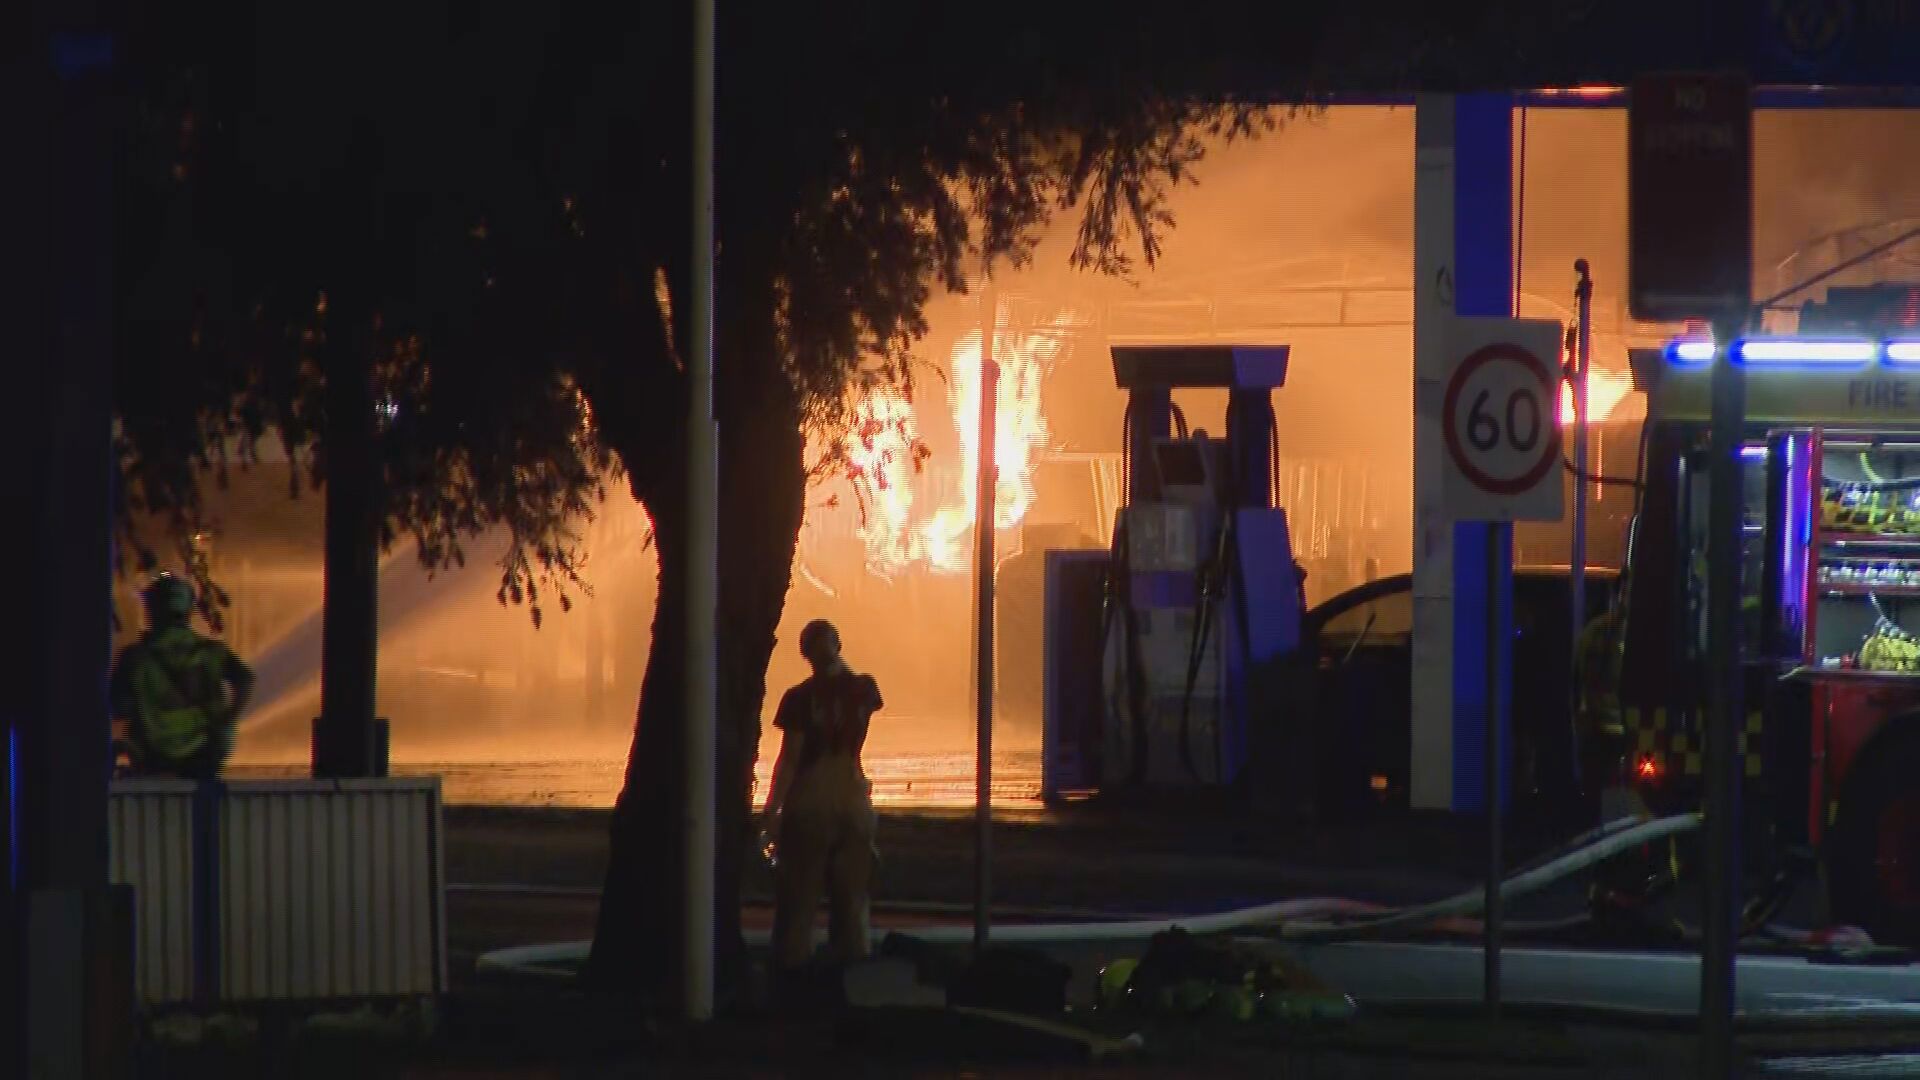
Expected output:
{"points": [[283, 890], [150, 847]]}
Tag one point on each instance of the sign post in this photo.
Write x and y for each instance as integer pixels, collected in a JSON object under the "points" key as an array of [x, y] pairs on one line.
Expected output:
{"points": [[987, 476], [1690, 255], [1499, 422], [1581, 358]]}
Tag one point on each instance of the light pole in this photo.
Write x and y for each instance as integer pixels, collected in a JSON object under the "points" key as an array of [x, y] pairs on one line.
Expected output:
{"points": [[703, 538], [1720, 941], [1577, 553]]}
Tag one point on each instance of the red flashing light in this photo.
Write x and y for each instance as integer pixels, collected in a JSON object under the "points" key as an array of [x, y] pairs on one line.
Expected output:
{"points": [[1646, 769]]}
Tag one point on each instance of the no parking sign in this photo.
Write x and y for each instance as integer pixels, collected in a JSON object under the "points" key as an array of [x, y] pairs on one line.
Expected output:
{"points": [[1500, 420]]}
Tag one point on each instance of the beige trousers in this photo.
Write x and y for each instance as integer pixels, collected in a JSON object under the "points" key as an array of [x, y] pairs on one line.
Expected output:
{"points": [[825, 845]]}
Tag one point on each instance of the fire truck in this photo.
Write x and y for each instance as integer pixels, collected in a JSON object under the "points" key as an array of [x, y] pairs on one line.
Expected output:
{"points": [[1830, 578]]}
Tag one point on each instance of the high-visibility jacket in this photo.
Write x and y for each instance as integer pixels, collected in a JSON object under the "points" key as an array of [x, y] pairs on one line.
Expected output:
{"points": [[171, 685]]}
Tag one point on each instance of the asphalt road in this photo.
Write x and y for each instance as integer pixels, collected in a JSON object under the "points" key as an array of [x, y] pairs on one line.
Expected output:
{"points": [[524, 876], [1100, 859], [521, 876]]}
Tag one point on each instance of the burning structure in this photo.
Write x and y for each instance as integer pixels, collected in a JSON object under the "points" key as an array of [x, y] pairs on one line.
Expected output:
{"points": [[912, 518]]}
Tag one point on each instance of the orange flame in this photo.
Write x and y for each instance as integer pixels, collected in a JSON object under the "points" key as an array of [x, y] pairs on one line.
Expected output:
{"points": [[900, 531], [1605, 391], [883, 452]]}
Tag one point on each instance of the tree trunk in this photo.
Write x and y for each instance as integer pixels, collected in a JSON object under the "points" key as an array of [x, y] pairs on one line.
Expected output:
{"points": [[345, 743], [636, 945], [635, 940], [762, 503]]}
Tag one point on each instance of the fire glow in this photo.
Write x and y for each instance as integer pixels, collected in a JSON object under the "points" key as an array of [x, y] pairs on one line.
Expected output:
{"points": [[1605, 391], [898, 528]]}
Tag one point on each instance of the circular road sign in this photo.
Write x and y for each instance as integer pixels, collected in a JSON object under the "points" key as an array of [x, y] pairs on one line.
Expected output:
{"points": [[1500, 421]]}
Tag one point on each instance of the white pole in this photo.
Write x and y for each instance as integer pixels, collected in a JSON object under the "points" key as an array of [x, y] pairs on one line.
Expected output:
{"points": [[1431, 750], [703, 537]]}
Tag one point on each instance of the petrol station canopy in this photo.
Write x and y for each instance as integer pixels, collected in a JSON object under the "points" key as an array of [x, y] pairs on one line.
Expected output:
{"points": [[1797, 53]]}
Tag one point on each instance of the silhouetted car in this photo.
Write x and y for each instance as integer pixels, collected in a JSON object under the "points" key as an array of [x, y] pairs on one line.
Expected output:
{"points": [[1363, 640]]}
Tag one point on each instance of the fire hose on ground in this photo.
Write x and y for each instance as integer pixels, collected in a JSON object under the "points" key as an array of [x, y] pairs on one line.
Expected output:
{"points": [[1586, 852], [1315, 920]]}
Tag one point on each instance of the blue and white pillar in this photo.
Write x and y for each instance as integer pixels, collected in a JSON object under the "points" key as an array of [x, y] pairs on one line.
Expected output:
{"points": [[1463, 265]]}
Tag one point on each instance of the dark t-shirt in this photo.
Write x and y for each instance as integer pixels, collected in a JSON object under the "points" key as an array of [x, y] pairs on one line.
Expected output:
{"points": [[832, 712]]}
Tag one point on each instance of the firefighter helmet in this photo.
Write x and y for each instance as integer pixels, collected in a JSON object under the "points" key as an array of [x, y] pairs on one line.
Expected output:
{"points": [[819, 634], [169, 599]]}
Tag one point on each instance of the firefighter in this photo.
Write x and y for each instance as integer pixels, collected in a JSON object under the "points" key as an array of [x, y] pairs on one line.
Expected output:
{"points": [[820, 809], [1597, 681], [177, 692]]}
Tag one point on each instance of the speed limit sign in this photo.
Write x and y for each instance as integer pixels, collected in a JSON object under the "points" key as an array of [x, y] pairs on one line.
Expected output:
{"points": [[1500, 420]]}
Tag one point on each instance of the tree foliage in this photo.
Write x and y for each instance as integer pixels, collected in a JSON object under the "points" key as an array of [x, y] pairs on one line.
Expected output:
{"points": [[306, 188], [490, 203], [497, 213]]}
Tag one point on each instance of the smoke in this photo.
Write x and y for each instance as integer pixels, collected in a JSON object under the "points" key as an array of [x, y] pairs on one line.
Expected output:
{"points": [[1817, 173], [460, 674]]}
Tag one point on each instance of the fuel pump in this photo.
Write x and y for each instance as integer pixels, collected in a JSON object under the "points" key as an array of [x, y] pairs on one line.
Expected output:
{"points": [[1203, 595]]}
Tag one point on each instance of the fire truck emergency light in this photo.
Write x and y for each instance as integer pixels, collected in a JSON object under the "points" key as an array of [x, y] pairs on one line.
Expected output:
{"points": [[1786, 352], [1903, 352], [1690, 352], [1802, 351]]}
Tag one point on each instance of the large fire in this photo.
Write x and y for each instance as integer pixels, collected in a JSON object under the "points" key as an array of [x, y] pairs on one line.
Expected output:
{"points": [[884, 452], [899, 526]]}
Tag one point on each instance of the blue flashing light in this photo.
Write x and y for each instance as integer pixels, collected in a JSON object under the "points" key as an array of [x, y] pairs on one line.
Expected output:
{"points": [[1690, 352], [1758, 453], [1783, 352], [1806, 520], [13, 806], [1902, 352], [1804, 352]]}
